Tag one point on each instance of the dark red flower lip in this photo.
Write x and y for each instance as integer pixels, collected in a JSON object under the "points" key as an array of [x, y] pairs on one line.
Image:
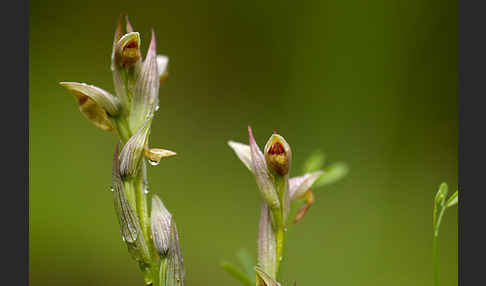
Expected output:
{"points": [[276, 149]]}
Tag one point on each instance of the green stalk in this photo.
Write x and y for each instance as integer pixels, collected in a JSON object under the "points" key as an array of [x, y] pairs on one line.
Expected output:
{"points": [[436, 241], [436, 259], [130, 191], [121, 125], [281, 184], [143, 214], [279, 236], [142, 209]]}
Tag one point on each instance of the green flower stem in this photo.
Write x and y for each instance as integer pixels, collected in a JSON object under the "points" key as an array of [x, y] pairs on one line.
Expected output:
{"points": [[281, 184], [436, 259], [130, 191], [122, 127], [160, 271], [141, 199], [143, 214], [279, 251]]}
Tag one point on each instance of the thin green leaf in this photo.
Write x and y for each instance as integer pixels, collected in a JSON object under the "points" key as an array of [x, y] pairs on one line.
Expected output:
{"points": [[236, 273], [314, 162], [246, 260], [332, 174], [452, 201]]}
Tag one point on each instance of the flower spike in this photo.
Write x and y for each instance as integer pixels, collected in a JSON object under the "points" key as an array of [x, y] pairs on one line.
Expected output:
{"points": [[150, 234]]}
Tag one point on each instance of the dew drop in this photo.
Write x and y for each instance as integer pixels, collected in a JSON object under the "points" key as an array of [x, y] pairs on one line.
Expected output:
{"points": [[153, 163], [111, 189], [146, 191], [157, 107], [285, 229]]}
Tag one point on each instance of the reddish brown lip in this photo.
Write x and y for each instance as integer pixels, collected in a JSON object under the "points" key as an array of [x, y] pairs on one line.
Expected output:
{"points": [[132, 45], [276, 149]]}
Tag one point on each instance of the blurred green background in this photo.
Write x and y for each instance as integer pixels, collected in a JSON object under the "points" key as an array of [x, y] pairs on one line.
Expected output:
{"points": [[371, 83]]}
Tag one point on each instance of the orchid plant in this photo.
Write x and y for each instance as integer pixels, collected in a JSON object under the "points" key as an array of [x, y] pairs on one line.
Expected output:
{"points": [[278, 190], [149, 233]]}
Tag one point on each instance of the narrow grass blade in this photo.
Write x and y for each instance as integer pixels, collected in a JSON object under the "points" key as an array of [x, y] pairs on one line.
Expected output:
{"points": [[247, 261], [332, 174], [452, 201], [236, 273]]}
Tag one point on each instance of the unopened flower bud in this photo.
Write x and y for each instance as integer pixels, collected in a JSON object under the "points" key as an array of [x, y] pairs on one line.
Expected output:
{"points": [[278, 155], [160, 220], [132, 153]]}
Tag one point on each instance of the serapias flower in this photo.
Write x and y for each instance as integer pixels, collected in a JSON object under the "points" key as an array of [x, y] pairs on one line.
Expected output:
{"points": [[271, 166]]}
